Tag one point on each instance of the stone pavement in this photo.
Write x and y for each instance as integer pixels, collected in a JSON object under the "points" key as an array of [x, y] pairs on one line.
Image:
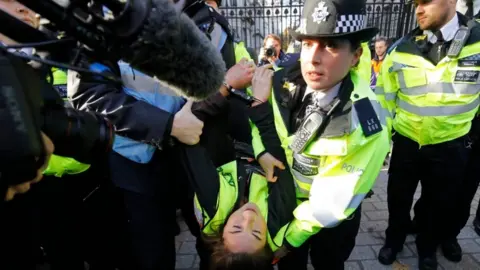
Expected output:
{"points": [[369, 240]]}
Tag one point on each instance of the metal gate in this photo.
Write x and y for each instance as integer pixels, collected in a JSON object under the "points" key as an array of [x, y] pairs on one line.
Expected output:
{"points": [[252, 20]]}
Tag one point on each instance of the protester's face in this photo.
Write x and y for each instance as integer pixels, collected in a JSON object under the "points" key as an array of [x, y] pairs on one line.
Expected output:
{"points": [[433, 14], [19, 11], [380, 48], [245, 230], [271, 42], [326, 62]]}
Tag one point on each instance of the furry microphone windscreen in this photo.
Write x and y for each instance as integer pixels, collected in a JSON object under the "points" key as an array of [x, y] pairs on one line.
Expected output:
{"points": [[172, 48]]}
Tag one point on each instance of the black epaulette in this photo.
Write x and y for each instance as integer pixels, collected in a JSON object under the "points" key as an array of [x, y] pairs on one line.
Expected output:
{"points": [[368, 117]]}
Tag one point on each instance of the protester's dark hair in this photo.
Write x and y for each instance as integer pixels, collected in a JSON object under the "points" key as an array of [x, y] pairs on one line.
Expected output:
{"points": [[224, 259]]}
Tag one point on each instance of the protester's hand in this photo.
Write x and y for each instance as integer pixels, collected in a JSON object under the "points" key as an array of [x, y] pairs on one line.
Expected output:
{"points": [[24, 187], [268, 163], [262, 83], [186, 127], [240, 75]]}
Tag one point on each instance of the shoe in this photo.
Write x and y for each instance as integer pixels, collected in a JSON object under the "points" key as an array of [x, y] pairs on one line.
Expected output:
{"points": [[428, 263], [476, 225], [387, 255], [452, 251]]}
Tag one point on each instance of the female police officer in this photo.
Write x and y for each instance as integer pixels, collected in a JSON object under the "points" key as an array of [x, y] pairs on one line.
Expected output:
{"points": [[331, 128]]}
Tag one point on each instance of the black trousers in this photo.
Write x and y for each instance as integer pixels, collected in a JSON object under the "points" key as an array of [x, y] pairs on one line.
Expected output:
{"points": [[329, 249], [440, 169], [19, 243], [150, 212], [52, 215], [469, 188]]}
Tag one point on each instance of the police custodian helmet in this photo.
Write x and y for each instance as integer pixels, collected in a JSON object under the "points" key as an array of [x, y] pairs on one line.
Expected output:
{"points": [[335, 19]]}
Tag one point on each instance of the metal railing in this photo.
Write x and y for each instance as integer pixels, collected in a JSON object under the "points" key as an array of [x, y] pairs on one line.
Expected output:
{"points": [[252, 20]]}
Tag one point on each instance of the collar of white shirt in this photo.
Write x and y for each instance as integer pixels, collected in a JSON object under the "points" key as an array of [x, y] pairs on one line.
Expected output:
{"points": [[325, 97], [448, 31]]}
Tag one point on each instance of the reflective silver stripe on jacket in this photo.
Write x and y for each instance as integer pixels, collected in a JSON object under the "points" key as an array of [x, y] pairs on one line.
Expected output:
{"points": [[436, 87], [303, 179], [379, 90], [437, 110], [443, 88]]}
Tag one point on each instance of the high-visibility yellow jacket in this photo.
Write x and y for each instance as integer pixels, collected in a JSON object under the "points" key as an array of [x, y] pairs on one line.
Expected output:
{"points": [[335, 172], [364, 67], [431, 104], [227, 197]]}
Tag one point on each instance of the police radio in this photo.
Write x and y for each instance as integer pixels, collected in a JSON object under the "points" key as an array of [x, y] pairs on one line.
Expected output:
{"points": [[458, 42], [311, 126], [307, 131]]}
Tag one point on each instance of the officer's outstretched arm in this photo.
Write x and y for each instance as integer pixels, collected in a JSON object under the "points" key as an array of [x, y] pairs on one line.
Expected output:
{"points": [[386, 90], [340, 187]]}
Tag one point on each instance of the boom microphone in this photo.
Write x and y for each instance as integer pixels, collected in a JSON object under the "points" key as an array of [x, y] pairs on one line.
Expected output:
{"points": [[148, 34], [172, 48]]}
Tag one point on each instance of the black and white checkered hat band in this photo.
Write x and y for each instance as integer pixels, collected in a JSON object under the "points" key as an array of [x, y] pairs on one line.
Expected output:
{"points": [[350, 23]]}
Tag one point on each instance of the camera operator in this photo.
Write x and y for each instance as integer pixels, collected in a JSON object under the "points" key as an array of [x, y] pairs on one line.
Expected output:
{"points": [[24, 187], [271, 53], [53, 208], [35, 209]]}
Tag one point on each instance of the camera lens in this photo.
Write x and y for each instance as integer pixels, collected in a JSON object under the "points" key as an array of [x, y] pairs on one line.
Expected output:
{"points": [[84, 136], [270, 52]]}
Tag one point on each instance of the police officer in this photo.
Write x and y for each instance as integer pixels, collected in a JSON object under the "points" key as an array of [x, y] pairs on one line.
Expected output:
{"points": [[471, 177], [331, 128], [432, 92]]}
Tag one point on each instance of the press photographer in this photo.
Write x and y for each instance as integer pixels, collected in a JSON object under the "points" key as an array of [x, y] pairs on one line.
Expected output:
{"points": [[271, 52]]}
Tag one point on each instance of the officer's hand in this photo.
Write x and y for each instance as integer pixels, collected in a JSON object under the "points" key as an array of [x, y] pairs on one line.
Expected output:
{"points": [[262, 83], [268, 163], [24, 187], [240, 75], [186, 127]]}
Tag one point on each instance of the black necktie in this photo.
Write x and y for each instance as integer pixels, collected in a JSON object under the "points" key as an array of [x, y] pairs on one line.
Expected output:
{"points": [[439, 36], [439, 48], [300, 113]]}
